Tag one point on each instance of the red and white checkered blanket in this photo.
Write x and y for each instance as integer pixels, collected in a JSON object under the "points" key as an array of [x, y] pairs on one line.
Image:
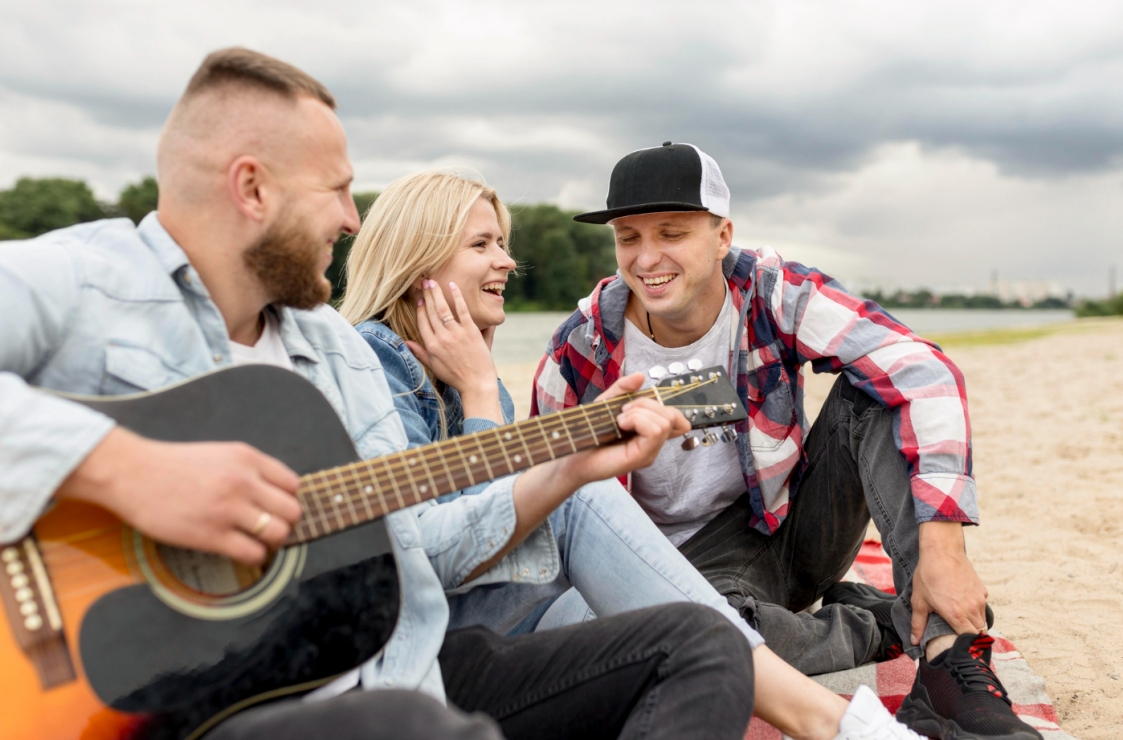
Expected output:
{"points": [[892, 680]]}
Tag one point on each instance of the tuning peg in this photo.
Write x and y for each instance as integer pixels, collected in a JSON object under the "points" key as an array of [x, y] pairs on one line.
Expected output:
{"points": [[657, 373], [728, 434], [677, 368], [691, 443], [694, 364], [709, 440]]}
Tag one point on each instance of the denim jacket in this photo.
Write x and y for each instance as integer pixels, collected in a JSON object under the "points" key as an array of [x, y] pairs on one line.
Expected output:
{"points": [[107, 308], [416, 398]]}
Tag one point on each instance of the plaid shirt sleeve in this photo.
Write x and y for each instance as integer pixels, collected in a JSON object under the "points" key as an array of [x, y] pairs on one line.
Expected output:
{"points": [[838, 332]]}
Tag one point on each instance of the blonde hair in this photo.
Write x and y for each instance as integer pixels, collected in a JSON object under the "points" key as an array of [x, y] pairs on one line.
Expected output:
{"points": [[410, 231]]}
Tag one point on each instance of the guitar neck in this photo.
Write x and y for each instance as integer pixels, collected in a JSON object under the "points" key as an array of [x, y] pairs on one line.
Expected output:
{"points": [[343, 497]]}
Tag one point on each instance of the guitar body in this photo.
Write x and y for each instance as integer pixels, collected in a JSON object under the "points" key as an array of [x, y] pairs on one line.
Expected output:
{"points": [[163, 640]]}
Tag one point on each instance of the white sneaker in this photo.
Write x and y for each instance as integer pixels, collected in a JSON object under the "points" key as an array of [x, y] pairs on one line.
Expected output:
{"points": [[867, 719]]}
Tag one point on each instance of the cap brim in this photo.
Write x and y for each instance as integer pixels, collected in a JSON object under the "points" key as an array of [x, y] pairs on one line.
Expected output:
{"points": [[603, 217]]}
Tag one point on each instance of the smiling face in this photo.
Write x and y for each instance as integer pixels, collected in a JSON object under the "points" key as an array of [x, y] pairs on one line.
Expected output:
{"points": [[292, 255], [672, 261], [479, 266]]}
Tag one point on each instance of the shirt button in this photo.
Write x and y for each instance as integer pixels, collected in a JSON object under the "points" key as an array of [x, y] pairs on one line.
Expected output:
{"points": [[217, 358], [543, 572], [490, 545], [504, 530], [526, 572], [187, 278]]}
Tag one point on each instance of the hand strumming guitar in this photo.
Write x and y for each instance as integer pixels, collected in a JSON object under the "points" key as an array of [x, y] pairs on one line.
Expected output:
{"points": [[221, 497]]}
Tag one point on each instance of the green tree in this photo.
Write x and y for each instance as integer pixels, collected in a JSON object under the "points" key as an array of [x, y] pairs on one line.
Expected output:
{"points": [[337, 272], [561, 259], [36, 206], [138, 199]]}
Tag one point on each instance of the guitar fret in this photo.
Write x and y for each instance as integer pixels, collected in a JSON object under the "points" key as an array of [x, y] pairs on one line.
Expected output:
{"points": [[565, 428], [588, 422], [394, 483], [367, 489], [483, 456], [343, 497], [545, 438], [464, 461], [337, 498], [529, 456], [429, 473], [503, 449], [444, 463]]}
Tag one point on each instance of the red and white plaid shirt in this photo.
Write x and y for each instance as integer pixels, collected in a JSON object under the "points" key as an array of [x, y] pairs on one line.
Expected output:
{"points": [[792, 315]]}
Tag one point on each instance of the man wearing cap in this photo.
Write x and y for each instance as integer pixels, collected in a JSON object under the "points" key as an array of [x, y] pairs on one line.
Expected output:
{"points": [[775, 519]]}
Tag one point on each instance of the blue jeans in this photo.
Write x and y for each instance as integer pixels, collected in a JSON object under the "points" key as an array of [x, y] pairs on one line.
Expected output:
{"points": [[614, 558]]}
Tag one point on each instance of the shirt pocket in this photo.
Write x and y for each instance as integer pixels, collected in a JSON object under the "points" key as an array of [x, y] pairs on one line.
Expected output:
{"points": [[772, 405], [130, 369]]}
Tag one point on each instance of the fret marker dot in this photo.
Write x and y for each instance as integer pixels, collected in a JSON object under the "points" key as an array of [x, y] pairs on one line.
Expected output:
{"points": [[424, 488], [413, 461], [518, 458], [338, 498], [472, 458], [368, 489], [555, 435], [507, 435]]}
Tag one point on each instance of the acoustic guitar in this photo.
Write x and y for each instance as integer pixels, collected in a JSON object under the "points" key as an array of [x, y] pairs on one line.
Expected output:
{"points": [[112, 635]]}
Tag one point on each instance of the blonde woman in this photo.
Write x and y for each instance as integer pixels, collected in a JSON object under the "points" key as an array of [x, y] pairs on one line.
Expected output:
{"points": [[425, 282]]}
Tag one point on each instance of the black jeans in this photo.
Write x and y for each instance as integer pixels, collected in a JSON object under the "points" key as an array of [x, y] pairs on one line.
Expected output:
{"points": [[854, 470], [673, 671], [358, 715]]}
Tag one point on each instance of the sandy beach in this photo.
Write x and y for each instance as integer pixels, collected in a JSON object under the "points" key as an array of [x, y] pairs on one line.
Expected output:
{"points": [[1047, 414]]}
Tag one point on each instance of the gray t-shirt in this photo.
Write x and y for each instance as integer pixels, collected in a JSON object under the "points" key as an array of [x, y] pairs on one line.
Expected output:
{"points": [[682, 491]]}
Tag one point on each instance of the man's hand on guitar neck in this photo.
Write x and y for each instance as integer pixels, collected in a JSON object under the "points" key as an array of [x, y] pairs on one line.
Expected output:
{"points": [[211, 496], [543, 488]]}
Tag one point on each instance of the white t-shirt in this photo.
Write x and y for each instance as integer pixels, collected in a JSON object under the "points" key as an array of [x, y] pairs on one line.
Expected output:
{"points": [[269, 350], [682, 491]]}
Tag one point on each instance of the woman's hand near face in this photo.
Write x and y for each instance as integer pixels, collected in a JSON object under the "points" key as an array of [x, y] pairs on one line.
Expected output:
{"points": [[456, 352]]}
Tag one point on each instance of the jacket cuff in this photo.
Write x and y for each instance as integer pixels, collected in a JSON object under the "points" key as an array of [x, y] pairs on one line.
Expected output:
{"points": [[945, 497]]}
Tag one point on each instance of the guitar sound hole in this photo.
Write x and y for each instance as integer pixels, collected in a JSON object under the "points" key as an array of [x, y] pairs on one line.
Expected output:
{"points": [[209, 574]]}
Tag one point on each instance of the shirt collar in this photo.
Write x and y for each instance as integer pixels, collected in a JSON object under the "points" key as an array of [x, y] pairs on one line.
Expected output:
{"points": [[169, 254], [173, 259]]}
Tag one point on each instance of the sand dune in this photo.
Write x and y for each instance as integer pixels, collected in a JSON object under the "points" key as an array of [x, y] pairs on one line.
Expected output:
{"points": [[1047, 414]]}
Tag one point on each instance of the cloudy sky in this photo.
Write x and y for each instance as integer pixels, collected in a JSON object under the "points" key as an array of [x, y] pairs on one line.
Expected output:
{"points": [[890, 143]]}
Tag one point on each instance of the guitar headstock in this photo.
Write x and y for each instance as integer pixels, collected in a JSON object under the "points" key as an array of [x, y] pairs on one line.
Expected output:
{"points": [[705, 396]]}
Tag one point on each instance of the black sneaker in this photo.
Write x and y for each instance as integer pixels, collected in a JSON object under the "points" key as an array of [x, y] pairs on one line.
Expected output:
{"points": [[958, 697], [878, 603]]}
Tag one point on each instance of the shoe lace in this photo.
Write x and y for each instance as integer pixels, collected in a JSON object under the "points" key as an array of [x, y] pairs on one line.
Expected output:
{"points": [[973, 672]]}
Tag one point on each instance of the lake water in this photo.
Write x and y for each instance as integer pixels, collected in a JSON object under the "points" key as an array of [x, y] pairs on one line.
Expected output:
{"points": [[523, 337]]}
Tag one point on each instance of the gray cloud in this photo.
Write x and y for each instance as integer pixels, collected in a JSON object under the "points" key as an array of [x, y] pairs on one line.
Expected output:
{"points": [[800, 102]]}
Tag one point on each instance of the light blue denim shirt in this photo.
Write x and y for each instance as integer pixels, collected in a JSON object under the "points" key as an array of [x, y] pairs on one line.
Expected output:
{"points": [[107, 308]]}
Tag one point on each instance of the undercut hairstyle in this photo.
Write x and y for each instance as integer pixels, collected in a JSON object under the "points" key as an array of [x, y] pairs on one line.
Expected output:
{"points": [[237, 66]]}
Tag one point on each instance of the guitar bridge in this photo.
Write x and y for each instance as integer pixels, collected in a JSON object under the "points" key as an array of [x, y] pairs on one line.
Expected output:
{"points": [[33, 614]]}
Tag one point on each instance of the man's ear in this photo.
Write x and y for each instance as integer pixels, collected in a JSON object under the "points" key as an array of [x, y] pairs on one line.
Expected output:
{"points": [[725, 238], [249, 186]]}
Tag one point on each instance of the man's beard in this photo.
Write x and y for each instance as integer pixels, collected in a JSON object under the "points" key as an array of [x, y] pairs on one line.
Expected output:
{"points": [[287, 262]]}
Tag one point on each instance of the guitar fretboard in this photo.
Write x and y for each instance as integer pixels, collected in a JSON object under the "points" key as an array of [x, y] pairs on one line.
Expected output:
{"points": [[348, 495]]}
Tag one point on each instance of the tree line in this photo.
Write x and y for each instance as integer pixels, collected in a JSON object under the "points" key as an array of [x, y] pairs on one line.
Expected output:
{"points": [[559, 259]]}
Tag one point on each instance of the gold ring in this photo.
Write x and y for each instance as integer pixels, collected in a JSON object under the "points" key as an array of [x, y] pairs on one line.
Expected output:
{"points": [[262, 522], [446, 319]]}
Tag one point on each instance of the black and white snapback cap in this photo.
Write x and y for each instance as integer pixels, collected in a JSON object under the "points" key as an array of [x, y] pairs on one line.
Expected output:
{"points": [[672, 177]]}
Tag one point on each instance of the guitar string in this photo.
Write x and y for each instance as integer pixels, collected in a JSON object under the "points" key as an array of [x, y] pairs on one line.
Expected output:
{"points": [[333, 491], [537, 447], [541, 445], [433, 454]]}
